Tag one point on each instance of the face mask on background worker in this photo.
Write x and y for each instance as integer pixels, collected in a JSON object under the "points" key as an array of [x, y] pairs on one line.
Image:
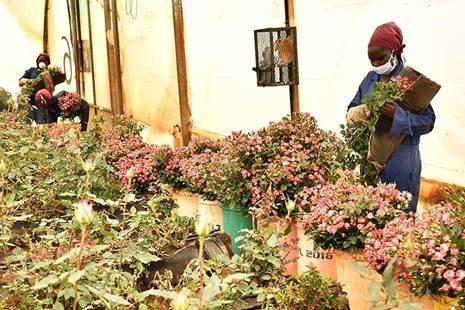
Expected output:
{"points": [[42, 65], [388, 66]]}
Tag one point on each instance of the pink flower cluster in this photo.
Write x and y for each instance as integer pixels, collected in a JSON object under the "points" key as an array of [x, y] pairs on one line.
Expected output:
{"points": [[276, 162], [62, 135], [127, 151], [432, 242], [381, 245], [70, 102], [117, 145], [402, 82], [340, 215], [140, 161]]}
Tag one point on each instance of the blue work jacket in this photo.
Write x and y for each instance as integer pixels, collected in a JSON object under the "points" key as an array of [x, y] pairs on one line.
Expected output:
{"points": [[404, 166]]}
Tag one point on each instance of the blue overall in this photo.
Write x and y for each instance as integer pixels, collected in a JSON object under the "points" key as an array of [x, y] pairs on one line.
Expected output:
{"points": [[404, 166]]}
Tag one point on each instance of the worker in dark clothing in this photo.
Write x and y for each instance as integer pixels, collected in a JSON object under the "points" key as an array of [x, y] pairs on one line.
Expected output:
{"points": [[82, 112], [404, 166], [38, 113]]}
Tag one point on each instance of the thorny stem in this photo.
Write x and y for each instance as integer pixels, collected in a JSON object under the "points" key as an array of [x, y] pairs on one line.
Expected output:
{"points": [[126, 194], [201, 270], [78, 265]]}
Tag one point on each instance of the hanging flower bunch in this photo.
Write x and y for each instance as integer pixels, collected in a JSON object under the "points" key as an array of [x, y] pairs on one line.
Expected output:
{"points": [[341, 215], [357, 136], [70, 104]]}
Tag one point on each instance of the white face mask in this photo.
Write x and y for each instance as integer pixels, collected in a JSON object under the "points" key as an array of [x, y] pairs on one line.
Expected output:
{"points": [[388, 66], [42, 65]]}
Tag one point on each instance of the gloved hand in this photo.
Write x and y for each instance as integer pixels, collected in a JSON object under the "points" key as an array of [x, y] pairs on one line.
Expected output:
{"points": [[357, 114]]}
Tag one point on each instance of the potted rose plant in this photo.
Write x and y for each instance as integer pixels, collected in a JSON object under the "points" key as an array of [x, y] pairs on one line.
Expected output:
{"points": [[431, 252]]}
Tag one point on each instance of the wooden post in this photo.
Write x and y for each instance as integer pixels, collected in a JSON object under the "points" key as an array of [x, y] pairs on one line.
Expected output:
{"points": [[113, 58], [178, 24], [75, 42], [92, 56], [110, 47], [117, 59], [293, 89], [45, 34]]}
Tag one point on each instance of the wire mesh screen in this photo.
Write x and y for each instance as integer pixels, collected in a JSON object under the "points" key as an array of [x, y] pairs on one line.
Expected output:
{"points": [[276, 56]]}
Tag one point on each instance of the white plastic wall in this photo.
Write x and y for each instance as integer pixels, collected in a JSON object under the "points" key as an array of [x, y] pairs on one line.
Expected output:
{"points": [[220, 56], [21, 41]]}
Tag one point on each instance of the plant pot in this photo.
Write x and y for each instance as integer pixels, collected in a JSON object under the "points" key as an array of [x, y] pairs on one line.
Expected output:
{"points": [[234, 220], [445, 303], [323, 260], [291, 250], [213, 211], [404, 295], [188, 203], [352, 281]]}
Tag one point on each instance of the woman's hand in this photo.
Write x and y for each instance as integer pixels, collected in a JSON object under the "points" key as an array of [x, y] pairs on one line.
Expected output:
{"points": [[388, 109], [24, 81]]}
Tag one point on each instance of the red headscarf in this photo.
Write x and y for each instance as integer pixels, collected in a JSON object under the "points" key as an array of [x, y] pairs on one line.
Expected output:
{"points": [[43, 97], [388, 35]]}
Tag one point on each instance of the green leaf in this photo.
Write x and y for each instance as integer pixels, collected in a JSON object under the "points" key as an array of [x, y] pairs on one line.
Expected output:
{"points": [[58, 306], [272, 241], [362, 270], [116, 299], [410, 306], [237, 277], [146, 257], [64, 257], [374, 287], [275, 261], [43, 264], [98, 248], [210, 292], [160, 293], [375, 298], [50, 280], [265, 277], [381, 307], [75, 276], [143, 307]]}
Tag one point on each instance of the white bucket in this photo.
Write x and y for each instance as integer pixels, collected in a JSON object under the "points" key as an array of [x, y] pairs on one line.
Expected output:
{"points": [[213, 211], [323, 260], [188, 203]]}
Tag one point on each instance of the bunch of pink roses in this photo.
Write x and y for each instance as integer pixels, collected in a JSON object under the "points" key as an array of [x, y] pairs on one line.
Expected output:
{"points": [[141, 162], [274, 164], [340, 215], [186, 166], [431, 250], [70, 103], [381, 245]]}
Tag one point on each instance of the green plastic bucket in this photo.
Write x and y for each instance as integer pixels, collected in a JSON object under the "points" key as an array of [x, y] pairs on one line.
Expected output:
{"points": [[234, 220]]}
